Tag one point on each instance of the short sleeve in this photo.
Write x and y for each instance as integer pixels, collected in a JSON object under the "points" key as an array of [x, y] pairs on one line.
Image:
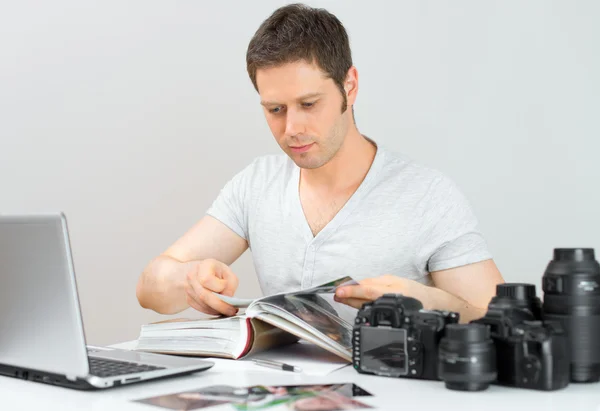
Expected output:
{"points": [[449, 235], [231, 205]]}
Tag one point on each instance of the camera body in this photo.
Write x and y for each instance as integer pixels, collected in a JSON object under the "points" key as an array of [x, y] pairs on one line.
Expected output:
{"points": [[530, 353], [393, 336], [535, 357]]}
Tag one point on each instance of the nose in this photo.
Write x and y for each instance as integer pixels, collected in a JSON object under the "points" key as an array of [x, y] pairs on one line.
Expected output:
{"points": [[295, 123]]}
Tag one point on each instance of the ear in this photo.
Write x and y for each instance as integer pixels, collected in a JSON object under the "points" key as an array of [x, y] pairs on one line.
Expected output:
{"points": [[351, 85]]}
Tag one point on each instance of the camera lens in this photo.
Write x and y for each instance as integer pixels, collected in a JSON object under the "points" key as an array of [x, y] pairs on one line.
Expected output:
{"points": [[467, 357], [518, 291], [519, 295], [571, 285]]}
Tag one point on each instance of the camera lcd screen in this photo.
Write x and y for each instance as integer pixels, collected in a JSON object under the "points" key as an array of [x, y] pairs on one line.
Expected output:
{"points": [[383, 350]]}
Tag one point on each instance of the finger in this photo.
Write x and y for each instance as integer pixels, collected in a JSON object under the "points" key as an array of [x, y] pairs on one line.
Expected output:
{"points": [[346, 290], [199, 306], [363, 292], [231, 280], [210, 280], [214, 302], [206, 307], [341, 292], [194, 301], [205, 297]]}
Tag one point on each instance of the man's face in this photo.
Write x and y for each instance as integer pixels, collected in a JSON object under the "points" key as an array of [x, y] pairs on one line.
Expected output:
{"points": [[303, 108]]}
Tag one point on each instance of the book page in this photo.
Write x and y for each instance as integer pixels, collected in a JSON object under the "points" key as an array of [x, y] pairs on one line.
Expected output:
{"points": [[222, 337], [266, 336], [280, 321], [312, 313], [327, 288], [234, 301], [315, 311]]}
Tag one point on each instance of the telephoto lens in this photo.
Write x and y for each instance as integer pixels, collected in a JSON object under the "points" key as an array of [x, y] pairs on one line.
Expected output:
{"points": [[467, 357], [571, 285]]}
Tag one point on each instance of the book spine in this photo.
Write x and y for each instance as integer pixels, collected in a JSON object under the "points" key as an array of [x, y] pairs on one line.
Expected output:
{"points": [[249, 340]]}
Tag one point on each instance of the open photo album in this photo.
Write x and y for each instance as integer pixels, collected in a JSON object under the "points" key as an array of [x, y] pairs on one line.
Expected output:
{"points": [[311, 314]]}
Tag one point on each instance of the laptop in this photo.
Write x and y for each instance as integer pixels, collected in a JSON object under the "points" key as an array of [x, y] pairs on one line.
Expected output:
{"points": [[41, 331]]}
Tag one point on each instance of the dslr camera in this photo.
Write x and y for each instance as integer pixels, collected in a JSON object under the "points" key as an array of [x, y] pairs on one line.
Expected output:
{"points": [[530, 353], [394, 336]]}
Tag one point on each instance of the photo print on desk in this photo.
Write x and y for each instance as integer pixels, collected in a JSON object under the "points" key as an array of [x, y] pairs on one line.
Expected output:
{"points": [[323, 397]]}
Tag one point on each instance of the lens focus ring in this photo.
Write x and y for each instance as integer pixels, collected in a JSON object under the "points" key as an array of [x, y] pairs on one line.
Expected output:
{"points": [[467, 357]]}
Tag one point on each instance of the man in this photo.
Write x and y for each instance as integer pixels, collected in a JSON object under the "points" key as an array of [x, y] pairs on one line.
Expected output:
{"points": [[336, 203]]}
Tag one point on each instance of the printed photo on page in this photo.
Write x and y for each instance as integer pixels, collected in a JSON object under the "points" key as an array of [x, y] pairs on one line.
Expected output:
{"points": [[328, 397], [318, 313], [316, 309]]}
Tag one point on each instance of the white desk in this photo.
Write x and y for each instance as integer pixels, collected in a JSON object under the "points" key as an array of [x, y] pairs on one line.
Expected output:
{"points": [[388, 393]]}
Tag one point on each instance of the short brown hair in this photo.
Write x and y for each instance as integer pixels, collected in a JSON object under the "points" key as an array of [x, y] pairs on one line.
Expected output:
{"points": [[298, 32]]}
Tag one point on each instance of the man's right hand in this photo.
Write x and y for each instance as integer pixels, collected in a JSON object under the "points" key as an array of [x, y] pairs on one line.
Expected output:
{"points": [[204, 277], [187, 272]]}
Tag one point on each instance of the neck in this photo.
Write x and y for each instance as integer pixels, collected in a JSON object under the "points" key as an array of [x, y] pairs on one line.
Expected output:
{"points": [[347, 168]]}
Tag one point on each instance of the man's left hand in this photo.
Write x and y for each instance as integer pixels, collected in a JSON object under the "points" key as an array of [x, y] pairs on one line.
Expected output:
{"points": [[372, 288]]}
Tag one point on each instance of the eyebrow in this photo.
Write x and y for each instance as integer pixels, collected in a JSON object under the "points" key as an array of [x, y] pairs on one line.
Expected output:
{"points": [[304, 97]]}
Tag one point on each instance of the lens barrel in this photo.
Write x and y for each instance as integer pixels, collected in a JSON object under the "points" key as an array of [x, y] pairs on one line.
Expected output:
{"points": [[571, 285], [467, 357], [519, 295]]}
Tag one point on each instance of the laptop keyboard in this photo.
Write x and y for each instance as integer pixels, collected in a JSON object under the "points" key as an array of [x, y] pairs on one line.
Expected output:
{"points": [[103, 368]]}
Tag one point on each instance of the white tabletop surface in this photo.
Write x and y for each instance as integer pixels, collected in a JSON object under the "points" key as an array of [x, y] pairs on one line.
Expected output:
{"points": [[388, 393]]}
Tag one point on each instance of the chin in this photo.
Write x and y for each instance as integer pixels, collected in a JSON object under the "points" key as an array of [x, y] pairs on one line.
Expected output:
{"points": [[309, 162]]}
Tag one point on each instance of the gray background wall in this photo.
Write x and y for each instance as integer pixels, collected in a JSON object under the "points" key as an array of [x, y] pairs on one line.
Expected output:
{"points": [[131, 115]]}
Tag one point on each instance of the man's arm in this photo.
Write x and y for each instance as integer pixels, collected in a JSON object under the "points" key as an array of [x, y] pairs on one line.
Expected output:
{"points": [[162, 285], [467, 289]]}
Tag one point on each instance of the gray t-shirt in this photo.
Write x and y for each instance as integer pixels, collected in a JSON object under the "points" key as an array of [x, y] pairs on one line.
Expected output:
{"points": [[404, 219]]}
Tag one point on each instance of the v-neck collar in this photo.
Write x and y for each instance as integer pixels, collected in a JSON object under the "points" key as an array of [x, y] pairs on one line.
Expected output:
{"points": [[343, 213]]}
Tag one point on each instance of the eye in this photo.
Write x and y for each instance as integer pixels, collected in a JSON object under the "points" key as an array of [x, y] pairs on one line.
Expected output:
{"points": [[276, 110], [308, 105]]}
